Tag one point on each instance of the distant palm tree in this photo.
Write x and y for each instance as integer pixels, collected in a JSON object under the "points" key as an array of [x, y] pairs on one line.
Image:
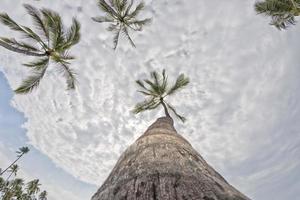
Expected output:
{"points": [[43, 195], [156, 92], [13, 171], [20, 153], [52, 44], [282, 12], [122, 18], [33, 187]]}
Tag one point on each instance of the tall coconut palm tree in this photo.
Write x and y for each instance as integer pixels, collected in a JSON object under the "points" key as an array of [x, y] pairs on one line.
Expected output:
{"points": [[162, 165], [156, 92], [51, 42], [20, 153], [122, 18], [282, 12]]}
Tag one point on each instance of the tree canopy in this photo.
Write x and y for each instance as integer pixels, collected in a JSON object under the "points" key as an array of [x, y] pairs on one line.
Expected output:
{"points": [[14, 188], [156, 91], [51, 42], [122, 17]]}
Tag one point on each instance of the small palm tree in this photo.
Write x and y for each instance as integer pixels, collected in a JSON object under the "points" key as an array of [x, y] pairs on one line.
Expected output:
{"points": [[33, 187], [156, 92], [52, 44], [122, 18], [43, 195], [20, 153], [282, 12], [13, 171]]}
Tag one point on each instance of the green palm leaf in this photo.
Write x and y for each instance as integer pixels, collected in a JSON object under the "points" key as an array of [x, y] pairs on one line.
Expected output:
{"points": [[40, 24], [20, 47], [180, 83], [32, 81]]}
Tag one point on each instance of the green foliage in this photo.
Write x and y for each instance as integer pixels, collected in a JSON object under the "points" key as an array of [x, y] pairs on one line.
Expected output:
{"points": [[122, 17], [51, 43], [13, 188], [282, 12], [156, 90]]}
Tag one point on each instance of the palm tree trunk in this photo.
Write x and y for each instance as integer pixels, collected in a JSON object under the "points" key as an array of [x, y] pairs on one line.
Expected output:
{"points": [[9, 176], [162, 165], [2, 172]]}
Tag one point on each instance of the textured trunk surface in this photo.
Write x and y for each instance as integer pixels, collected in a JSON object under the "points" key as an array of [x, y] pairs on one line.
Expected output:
{"points": [[162, 165]]}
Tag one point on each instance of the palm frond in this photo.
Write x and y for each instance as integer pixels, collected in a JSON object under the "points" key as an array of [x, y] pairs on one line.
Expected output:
{"points": [[37, 20], [125, 31], [116, 37], [128, 8], [31, 82], [139, 24], [20, 47], [38, 64], [27, 32], [101, 19], [69, 74], [141, 84], [183, 119], [148, 104], [54, 22], [122, 5], [153, 86], [107, 9], [137, 10], [72, 35], [180, 83]]}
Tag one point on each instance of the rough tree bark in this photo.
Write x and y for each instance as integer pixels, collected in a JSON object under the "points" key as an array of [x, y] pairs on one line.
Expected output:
{"points": [[162, 165]]}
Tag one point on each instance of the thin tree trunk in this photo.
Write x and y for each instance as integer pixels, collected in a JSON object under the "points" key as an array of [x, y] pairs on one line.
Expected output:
{"points": [[11, 164], [162, 165], [9, 176]]}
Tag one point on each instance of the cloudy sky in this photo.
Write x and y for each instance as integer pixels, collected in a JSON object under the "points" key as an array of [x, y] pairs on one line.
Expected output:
{"points": [[242, 104]]}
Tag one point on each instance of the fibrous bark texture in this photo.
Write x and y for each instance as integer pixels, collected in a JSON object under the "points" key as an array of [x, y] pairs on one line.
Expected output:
{"points": [[162, 165]]}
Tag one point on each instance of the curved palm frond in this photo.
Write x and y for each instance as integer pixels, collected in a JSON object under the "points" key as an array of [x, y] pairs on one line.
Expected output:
{"points": [[122, 18], [33, 80], [180, 83], [156, 90], [20, 47], [54, 44]]}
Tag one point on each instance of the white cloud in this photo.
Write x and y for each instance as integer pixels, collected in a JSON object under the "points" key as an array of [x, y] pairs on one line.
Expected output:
{"points": [[241, 105]]}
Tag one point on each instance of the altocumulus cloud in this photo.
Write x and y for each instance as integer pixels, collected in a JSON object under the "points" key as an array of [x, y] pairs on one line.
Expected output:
{"points": [[242, 104]]}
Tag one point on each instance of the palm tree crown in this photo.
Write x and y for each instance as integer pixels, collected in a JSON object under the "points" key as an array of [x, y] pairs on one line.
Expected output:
{"points": [[22, 150], [157, 90], [122, 18], [51, 44], [282, 12]]}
